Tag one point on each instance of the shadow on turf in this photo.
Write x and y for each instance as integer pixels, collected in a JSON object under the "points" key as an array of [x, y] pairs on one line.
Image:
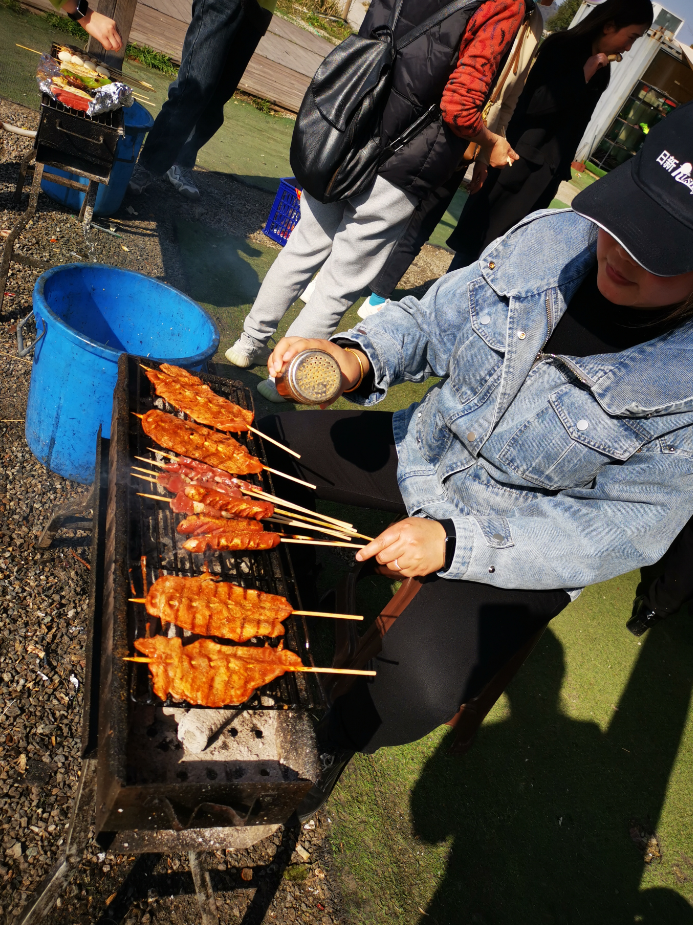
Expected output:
{"points": [[543, 811]]}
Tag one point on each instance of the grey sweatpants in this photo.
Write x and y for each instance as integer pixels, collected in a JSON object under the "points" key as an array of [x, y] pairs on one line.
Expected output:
{"points": [[350, 240]]}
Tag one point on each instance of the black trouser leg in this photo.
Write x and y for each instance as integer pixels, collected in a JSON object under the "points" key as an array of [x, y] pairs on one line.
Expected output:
{"points": [[674, 587], [242, 48], [211, 32]]}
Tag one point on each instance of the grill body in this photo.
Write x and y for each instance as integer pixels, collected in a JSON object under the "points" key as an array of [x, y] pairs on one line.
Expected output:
{"points": [[263, 759], [76, 142]]}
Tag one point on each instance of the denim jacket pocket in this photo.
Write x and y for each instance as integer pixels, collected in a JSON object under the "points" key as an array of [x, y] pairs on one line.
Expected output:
{"points": [[433, 437], [566, 443], [488, 314]]}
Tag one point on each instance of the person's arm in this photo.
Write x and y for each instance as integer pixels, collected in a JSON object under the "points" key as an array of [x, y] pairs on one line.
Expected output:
{"points": [[406, 341], [103, 29], [489, 32], [605, 530], [602, 531]]}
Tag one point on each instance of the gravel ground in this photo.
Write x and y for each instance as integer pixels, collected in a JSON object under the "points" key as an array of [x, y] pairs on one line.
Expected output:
{"points": [[43, 604]]}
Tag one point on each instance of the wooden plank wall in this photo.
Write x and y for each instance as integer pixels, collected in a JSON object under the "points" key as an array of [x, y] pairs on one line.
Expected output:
{"points": [[279, 71]]}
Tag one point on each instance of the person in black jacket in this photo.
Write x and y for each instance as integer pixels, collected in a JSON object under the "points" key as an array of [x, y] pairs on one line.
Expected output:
{"points": [[564, 86]]}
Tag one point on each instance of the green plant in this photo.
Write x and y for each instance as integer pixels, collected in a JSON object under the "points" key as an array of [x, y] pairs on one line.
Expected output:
{"points": [[156, 60], [563, 18], [261, 105], [13, 5]]}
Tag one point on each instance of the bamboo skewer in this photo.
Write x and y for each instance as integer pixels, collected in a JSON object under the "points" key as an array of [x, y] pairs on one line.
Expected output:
{"points": [[291, 478], [265, 495], [281, 446], [300, 613], [284, 539], [370, 674], [286, 520]]}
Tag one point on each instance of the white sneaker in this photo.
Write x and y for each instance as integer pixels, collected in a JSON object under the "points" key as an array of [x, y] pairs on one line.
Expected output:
{"points": [[368, 308], [182, 180], [247, 352], [308, 291], [268, 390]]}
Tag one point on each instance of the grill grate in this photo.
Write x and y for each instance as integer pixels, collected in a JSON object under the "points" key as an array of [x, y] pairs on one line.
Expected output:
{"points": [[155, 549], [111, 119]]}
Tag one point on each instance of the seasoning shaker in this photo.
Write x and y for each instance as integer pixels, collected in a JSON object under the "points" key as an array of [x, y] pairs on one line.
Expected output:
{"points": [[312, 377]]}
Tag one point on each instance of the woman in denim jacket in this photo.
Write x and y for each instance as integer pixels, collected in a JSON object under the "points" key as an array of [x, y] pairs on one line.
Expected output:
{"points": [[556, 450]]}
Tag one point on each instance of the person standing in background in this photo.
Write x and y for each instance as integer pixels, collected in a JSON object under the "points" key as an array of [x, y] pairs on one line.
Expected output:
{"points": [[449, 69], [220, 41], [564, 86], [430, 211], [99, 27]]}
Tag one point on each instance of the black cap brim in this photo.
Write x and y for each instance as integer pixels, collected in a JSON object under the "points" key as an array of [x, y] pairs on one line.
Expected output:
{"points": [[652, 236]]}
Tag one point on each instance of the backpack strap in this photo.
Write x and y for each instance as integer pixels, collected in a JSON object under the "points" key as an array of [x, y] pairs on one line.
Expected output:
{"points": [[434, 20]]}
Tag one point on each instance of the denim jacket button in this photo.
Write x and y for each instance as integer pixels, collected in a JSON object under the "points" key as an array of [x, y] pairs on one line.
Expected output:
{"points": [[491, 265], [492, 569], [521, 335], [498, 537], [582, 425], [471, 436], [485, 319]]}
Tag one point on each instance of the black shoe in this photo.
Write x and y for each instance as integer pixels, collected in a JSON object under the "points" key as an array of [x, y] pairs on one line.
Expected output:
{"points": [[332, 763], [643, 617]]}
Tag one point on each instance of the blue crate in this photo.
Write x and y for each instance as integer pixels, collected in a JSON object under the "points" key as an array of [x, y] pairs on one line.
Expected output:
{"points": [[284, 212]]}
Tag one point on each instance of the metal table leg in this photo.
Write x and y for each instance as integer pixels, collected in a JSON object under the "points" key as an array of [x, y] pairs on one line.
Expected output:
{"points": [[77, 508], [17, 230], [86, 213], [204, 891], [45, 895], [23, 167]]}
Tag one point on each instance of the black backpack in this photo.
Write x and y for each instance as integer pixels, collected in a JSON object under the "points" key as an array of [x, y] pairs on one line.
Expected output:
{"points": [[336, 148]]}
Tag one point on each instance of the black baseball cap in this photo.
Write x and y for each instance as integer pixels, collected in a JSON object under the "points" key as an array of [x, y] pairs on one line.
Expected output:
{"points": [[646, 204]]}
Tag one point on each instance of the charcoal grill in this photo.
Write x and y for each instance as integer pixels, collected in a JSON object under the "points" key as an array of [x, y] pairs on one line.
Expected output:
{"points": [[71, 141], [149, 792]]}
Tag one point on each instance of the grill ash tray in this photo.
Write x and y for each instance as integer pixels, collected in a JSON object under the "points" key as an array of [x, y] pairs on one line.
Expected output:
{"points": [[170, 765]]}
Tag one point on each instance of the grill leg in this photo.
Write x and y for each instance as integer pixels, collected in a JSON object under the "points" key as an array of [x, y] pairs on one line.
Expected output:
{"points": [[8, 252], [86, 213], [62, 513], [23, 167], [45, 895], [204, 891]]}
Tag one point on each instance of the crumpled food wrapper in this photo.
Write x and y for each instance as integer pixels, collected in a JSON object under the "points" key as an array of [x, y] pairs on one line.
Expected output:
{"points": [[93, 102]]}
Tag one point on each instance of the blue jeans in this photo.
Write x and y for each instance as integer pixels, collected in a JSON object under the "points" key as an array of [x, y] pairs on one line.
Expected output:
{"points": [[219, 43]]}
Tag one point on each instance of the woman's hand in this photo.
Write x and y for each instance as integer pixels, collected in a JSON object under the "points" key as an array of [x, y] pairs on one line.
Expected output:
{"points": [[479, 175], [103, 29], [289, 347], [415, 546], [501, 154], [594, 64]]}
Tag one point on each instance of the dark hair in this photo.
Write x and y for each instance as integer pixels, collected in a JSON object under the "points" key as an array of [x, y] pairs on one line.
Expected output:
{"points": [[620, 13]]}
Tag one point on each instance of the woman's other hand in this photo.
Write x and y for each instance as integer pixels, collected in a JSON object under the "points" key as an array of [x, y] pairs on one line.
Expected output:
{"points": [[501, 154], [289, 347], [594, 64], [103, 29], [412, 547], [479, 175]]}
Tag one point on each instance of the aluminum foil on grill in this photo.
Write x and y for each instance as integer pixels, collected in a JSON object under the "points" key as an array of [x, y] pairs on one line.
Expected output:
{"points": [[93, 102]]}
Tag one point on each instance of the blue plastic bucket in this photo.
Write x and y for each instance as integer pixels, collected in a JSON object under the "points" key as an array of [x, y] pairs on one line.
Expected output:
{"points": [[89, 315], [109, 198]]}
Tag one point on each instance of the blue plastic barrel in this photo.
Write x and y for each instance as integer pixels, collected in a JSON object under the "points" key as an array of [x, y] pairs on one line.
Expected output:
{"points": [[109, 198], [89, 315]]}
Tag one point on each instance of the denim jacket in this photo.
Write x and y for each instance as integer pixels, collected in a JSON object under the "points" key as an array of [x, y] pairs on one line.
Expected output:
{"points": [[557, 471]]}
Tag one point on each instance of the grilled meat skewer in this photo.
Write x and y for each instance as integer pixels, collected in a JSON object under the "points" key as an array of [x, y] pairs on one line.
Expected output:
{"points": [[207, 674]]}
